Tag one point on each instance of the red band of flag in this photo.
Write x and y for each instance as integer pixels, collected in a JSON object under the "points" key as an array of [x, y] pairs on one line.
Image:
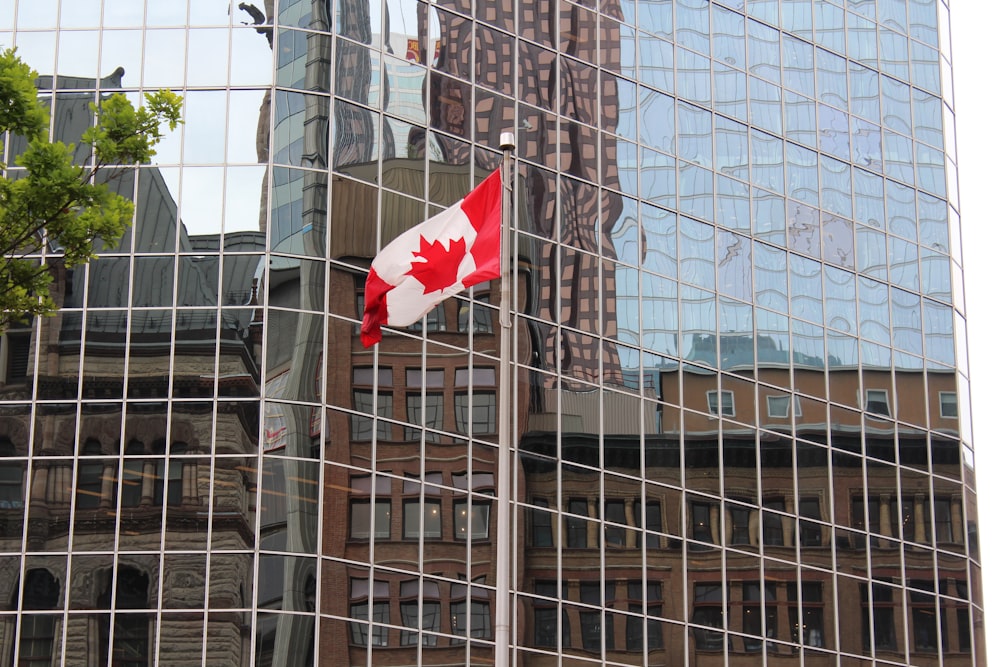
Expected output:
{"points": [[440, 257]]}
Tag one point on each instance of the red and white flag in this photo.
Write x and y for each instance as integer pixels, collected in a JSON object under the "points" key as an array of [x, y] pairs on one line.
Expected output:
{"points": [[438, 258]]}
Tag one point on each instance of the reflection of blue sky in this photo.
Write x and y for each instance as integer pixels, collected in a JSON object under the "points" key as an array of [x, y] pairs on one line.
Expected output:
{"points": [[220, 126]]}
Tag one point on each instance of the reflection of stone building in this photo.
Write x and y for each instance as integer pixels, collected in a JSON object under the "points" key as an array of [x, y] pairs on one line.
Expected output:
{"points": [[113, 467]]}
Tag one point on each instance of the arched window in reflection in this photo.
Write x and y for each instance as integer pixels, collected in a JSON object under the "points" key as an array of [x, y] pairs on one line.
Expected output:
{"points": [[11, 477], [41, 591], [130, 643], [89, 474]]}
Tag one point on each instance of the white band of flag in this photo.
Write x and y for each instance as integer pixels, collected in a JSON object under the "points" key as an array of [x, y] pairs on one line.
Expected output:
{"points": [[438, 258]]}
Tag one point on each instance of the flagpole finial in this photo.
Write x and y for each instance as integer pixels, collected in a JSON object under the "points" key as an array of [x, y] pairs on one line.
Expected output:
{"points": [[506, 141]]}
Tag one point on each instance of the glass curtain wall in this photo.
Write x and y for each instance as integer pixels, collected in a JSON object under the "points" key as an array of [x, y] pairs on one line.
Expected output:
{"points": [[740, 397]]}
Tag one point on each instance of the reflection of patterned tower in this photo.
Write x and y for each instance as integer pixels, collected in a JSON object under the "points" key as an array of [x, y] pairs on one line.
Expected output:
{"points": [[354, 131], [576, 288], [295, 293]]}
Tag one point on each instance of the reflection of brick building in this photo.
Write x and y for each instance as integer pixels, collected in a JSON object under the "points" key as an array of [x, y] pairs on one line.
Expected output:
{"points": [[430, 501], [807, 509]]}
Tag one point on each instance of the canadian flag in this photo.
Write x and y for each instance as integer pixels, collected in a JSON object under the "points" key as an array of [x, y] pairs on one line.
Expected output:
{"points": [[438, 258]]}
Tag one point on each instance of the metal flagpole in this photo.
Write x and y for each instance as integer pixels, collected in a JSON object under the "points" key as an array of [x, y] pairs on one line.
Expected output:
{"points": [[502, 634]]}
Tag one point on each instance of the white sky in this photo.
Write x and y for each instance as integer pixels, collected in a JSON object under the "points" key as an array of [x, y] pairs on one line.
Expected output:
{"points": [[977, 102]]}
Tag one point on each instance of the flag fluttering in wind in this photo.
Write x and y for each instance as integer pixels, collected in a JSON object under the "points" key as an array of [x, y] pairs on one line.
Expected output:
{"points": [[438, 258]]}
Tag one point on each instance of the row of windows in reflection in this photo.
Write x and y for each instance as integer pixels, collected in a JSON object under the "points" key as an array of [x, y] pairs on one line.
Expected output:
{"points": [[741, 526], [420, 607], [587, 523], [876, 401], [628, 615], [618, 615], [758, 615], [911, 517]]}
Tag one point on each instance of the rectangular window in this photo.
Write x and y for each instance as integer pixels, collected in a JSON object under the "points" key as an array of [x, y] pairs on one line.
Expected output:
{"points": [[480, 377], [364, 602], [470, 617], [482, 316], [546, 611], [614, 513], [964, 636], [481, 418], [708, 601], [877, 617], [132, 476], [361, 631], [739, 517], [477, 416], [431, 516], [591, 619], [410, 612], [810, 532], [752, 614], [654, 522], [948, 401], [774, 532], [367, 403], [431, 378], [942, 520], [859, 521], [701, 523], [89, 476], [907, 517], [576, 525], [15, 352], [925, 617], [807, 628], [721, 402], [37, 639], [409, 608], [481, 481], [541, 524], [877, 402], [372, 399], [634, 624], [432, 415], [474, 521], [777, 406], [363, 523]]}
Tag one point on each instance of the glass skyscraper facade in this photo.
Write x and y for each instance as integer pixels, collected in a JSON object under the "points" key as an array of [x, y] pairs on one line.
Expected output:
{"points": [[740, 400]]}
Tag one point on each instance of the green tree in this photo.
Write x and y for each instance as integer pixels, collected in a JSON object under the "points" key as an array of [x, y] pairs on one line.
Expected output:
{"points": [[53, 211]]}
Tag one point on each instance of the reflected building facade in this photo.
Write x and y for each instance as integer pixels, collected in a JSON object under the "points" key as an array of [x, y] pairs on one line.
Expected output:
{"points": [[740, 395]]}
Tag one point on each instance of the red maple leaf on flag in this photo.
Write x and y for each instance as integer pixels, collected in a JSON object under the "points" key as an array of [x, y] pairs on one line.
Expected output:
{"points": [[439, 269]]}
